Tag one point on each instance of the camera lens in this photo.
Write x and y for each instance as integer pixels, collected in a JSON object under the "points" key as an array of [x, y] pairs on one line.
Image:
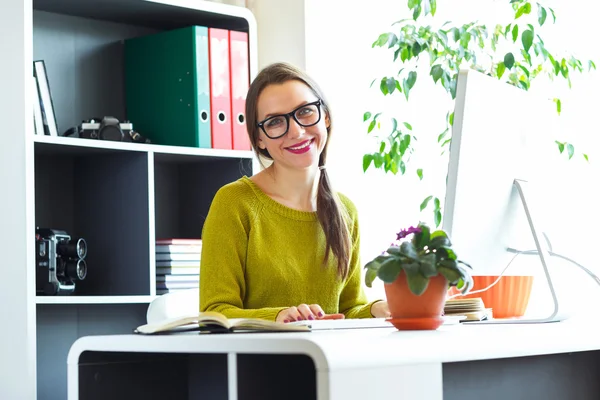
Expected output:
{"points": [[81, 248], [76, 269], [77, 249]]}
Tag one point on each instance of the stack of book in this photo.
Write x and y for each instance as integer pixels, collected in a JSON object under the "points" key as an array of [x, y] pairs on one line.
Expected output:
{"points": [[177, 264], [472, 309]]}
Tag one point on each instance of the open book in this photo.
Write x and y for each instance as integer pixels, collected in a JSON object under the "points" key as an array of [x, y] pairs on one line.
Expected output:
{"points": [[211, 321]]}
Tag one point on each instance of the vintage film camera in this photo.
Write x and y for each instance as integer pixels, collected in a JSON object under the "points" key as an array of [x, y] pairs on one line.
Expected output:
{"points": [[107, 128], [59, 262]]}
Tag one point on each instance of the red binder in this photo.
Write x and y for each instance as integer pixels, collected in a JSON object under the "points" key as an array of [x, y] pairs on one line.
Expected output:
{"points": [[240, 81], [220, 95]]}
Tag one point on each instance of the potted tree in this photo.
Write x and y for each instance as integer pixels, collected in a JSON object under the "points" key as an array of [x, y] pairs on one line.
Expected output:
{"points": [[514, 53], [417, 271]]}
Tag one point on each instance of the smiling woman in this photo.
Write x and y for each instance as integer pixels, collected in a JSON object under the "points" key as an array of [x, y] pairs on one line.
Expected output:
{"points": [[282, 244]]}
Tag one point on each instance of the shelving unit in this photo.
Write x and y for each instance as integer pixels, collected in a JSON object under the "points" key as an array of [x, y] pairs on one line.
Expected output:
{"points": [[119, 196]]}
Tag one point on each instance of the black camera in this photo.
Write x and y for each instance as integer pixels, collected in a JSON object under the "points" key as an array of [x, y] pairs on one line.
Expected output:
{"points": [[59, 262], [107, 128]]}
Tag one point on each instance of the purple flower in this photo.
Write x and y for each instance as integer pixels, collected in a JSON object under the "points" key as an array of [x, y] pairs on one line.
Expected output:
{"points": [[405, 232]]}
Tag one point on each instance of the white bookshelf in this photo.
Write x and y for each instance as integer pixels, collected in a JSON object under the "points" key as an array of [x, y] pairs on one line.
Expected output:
{"points": [[94, 299], [61, 144], [119, 196]]}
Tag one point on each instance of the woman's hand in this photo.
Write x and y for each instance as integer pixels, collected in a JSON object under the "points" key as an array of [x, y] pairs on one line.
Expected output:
{"points": [[302, 312], [380, 309]]}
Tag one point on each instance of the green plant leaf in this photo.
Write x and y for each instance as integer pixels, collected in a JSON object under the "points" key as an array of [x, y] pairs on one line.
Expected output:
{"points": [[439, 241], [439, 233], [427, 265], [509, 60], [391, 85], [408, 126], [449, 263], [420, 173], [558, 105], [370, 276], [417, 283], [394, 250], [384, 87], [561, 146], [446, 252], [421, 238], [451, 118], [412, 78], [377, 160], [416, 48], [436, 72], [382, 146], [372, 125], [366, 116], [425, 202], [570, 150], [553, 15], [500, 69], [586, 157], [527, 39], [524, 9], [591, 65], [426, 7], [442, 135], [389, 270], [402, 167], [408, 250], [367, 159], [515, 33], [450, 274], [542, 14], [433, 4], [437, 217], [413, 3], [417, 12]]}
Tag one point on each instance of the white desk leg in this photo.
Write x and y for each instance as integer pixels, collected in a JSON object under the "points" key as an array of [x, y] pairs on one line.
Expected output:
{"points": [[232, 377], [415, 382], [73, 381]]}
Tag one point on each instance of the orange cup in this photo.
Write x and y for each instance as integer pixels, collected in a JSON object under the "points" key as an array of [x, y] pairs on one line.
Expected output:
{"points": [[508, 298]]}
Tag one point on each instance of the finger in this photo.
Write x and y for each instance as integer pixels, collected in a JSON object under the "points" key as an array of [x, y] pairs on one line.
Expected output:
{"points": [[317, 310], [305, 311], [293, 314]]}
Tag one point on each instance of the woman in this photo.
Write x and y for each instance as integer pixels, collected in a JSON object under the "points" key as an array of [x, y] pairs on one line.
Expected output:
{"points": [[281, 245]]}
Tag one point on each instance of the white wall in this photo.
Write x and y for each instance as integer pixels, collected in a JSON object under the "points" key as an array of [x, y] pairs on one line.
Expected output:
{"points": [[339, 56], [281, 26]]}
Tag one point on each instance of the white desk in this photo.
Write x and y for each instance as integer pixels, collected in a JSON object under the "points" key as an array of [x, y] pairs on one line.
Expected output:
{"points": [[550, 361]]}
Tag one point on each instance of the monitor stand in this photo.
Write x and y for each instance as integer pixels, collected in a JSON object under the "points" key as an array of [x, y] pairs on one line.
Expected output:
{"points": [[557, 314]]}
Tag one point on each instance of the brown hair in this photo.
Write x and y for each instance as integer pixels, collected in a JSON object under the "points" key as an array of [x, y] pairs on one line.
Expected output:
{"points": [[331, 214]]}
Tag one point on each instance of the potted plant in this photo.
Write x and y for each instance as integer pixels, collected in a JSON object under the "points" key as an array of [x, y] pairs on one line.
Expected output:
{"points": [[417, 271]]}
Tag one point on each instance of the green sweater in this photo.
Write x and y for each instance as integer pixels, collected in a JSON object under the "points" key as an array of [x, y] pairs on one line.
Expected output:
{"points": [[260, 257]]}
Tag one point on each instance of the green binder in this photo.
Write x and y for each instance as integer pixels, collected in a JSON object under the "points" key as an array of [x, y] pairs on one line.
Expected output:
{"points": [[167, 86]]}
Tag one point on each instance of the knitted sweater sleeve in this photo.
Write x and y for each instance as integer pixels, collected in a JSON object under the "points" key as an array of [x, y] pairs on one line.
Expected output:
{"points": [[224, 247], [353, 300]]}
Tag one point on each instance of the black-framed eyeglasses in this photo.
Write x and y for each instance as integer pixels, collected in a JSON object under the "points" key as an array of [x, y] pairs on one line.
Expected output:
{"points": [[278, 125]]}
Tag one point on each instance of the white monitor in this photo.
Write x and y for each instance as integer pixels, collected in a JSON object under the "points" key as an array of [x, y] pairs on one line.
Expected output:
{"points": [[500, 152]]}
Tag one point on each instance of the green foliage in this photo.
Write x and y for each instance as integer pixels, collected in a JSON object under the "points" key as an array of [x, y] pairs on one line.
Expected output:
{"points": [[449, 49], [425, 255]]}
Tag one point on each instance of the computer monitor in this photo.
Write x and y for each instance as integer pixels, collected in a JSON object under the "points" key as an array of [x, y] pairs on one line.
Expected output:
{"points": [[500, 156]]}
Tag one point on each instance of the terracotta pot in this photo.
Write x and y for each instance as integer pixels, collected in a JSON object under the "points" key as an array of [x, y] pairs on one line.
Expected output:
{"points": [[412, 312]]}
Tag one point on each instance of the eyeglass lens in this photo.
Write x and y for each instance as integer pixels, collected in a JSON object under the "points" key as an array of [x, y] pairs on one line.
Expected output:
{"points": [[306, 116]]}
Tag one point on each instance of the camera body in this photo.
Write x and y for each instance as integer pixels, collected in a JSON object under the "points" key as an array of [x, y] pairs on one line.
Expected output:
{"points": [[60, 262], [107, 128]]}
